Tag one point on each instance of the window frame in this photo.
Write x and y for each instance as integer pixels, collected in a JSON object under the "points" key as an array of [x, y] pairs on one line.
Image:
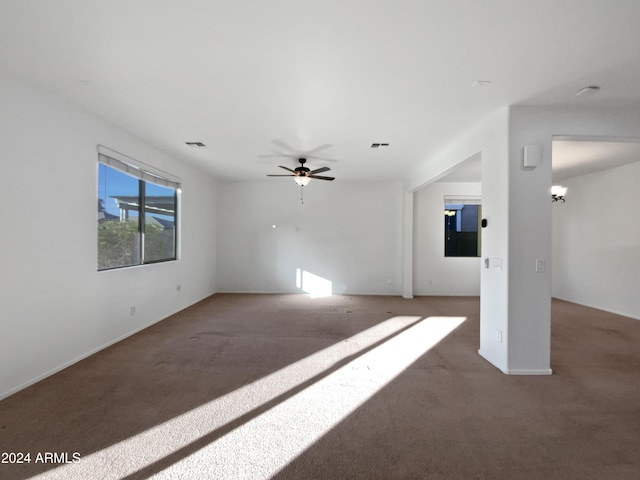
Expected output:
{"points": [[144, 174]]}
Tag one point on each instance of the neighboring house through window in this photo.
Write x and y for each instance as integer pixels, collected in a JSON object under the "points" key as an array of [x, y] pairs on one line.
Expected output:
{"points": [[462, 218]]}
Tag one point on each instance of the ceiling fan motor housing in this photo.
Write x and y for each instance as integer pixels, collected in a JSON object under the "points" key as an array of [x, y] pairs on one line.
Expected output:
{"points": [[302, 170]]}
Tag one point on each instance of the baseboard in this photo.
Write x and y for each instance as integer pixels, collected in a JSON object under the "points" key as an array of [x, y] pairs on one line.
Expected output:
{"points": [[61, 367], [499, 367], [261, 292], [517, 371], [446, 294], [542, 371], [597, 307]]}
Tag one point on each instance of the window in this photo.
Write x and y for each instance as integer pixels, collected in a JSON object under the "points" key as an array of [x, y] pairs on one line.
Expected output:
{"points": [[137, 213], [462, 219]]}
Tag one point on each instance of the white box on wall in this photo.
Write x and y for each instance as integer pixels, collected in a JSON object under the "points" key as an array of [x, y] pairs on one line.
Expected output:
{"points": [[531, 156]]}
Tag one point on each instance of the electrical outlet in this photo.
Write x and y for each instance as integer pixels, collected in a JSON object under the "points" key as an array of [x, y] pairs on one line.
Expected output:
{"points": [[133, 311], [499, 336], [178, 287]]}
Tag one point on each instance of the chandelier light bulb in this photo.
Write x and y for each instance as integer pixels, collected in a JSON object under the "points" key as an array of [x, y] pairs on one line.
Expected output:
{"points": [[557, 193]]}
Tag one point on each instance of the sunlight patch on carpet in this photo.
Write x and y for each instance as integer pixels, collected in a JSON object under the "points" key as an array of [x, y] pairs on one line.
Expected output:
{"points": [[258, 429]]}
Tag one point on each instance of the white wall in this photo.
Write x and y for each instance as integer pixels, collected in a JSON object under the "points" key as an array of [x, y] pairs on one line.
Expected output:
{"points": [[347, 233], [515, 299], [435, 274], [530, 219], [55, 307], [488, 140], [529, 340], [596, 241]]}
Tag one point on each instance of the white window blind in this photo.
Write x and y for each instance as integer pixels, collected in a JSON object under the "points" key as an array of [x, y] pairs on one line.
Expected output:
{"points": [[137, 169]]}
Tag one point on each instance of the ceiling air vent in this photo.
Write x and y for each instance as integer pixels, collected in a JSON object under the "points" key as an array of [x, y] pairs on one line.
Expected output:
{"points": [[378, 145], [196, 144]]}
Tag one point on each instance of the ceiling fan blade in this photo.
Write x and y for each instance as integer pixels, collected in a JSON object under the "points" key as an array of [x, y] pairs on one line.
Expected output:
{"points": [[287, 151], [272, 155], [281, 175], [319, 170], [320, 177], [287, 168], [322, 159], [284, 146], [318, 149]]}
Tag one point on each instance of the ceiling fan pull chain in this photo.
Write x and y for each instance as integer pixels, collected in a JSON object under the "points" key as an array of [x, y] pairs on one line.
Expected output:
{"points": [[301, 201]]}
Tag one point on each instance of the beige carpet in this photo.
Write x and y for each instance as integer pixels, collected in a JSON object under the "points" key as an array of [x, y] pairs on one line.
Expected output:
{"points": [[288, 387]]}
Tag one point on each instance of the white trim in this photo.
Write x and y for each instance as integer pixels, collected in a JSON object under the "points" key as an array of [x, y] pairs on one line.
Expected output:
{"points": [[448, 294], [518, 371], [594, 138], [408, 232], [525, 371], [299, 292], [462, 200], [503, 370]]}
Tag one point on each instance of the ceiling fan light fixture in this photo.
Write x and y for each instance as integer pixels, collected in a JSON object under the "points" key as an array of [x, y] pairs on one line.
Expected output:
{"points": [[302, 181], [557, 193]]}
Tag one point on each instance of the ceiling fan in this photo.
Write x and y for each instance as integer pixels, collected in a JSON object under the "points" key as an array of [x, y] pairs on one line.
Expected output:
{"points": [[303, 175]]}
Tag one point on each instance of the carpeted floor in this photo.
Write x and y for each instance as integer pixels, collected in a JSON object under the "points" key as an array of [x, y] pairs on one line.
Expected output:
{"points": [[343, 387]]}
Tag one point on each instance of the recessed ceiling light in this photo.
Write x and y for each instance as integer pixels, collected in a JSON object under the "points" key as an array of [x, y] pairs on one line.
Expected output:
{"points": [[196, 144], [586, 91]]}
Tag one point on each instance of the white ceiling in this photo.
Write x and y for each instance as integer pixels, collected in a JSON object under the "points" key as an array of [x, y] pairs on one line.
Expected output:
{"points": [[573, 157], [254, 79]]}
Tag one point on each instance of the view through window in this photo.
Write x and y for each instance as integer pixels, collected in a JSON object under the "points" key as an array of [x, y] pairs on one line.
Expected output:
{"points": [[462, 229], [136, 216]]}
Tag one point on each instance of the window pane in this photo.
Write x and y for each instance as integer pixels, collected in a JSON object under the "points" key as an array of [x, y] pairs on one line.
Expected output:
{"points": [[160, 222], [461, 237], [118, 219]]}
